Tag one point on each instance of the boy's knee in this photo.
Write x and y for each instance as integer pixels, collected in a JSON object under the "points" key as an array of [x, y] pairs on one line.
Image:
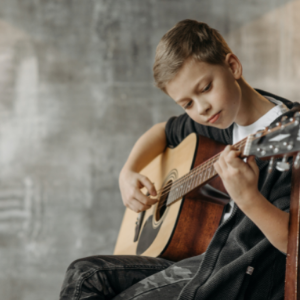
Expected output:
{"points": [[77, 271], [85, 265]]}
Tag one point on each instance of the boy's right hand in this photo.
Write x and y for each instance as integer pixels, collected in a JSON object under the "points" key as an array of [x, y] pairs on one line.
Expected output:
{"points": [[130, 186]]}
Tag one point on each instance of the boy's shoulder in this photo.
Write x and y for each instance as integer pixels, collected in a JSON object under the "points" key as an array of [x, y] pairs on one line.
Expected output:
{"points": [[288, 103]]}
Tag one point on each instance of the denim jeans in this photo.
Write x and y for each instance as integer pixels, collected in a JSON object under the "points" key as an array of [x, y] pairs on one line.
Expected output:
{"points": [[126, 277]]}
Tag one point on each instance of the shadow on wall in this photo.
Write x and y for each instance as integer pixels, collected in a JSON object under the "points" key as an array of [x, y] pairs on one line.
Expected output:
{"points": [[21, 131]]}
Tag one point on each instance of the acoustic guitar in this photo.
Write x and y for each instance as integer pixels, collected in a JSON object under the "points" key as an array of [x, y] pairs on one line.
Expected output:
{"points": [[191, 197]]}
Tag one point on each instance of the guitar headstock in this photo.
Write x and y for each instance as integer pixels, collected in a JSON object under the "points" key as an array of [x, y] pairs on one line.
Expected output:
{"points": [[283, 140]]}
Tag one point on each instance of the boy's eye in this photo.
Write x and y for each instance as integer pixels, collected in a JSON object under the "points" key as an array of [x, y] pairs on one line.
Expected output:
{"points": [[207, 88], [188, 105]]}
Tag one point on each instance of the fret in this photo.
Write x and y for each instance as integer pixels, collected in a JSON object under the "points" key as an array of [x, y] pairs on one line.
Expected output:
{"points": [[193, 182], [190, 182], [176, 193], [196, 177], [214, 171], [201, 176], [191, 178], [170, 196], [181, 190], [184, 187], [187, 185], [205, 174], [209, 172]]}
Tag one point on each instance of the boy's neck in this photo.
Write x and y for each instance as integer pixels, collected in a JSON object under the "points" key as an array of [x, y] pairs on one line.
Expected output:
{"points": [[253, 105]]}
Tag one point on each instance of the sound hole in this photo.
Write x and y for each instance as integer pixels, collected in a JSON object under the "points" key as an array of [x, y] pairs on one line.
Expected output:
{"points": [[161, 206]]}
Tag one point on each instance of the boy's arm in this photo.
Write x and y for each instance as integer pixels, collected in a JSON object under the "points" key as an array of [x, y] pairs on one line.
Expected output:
{"points": [[148, 146], [272, 221], [240, 180]]}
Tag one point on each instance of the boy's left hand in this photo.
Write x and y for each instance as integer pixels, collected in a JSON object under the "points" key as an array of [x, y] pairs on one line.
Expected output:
{"points": [[239, 178]]}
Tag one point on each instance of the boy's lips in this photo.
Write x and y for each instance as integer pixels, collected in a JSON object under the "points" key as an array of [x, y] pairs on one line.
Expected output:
{"points": [[214, 118]]}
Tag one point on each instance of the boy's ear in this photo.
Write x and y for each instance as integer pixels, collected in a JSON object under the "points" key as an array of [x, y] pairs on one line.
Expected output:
{"points": [[234, 65]]}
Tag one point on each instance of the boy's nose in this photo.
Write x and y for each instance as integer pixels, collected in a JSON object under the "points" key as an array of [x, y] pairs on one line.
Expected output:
{"points": [[203, 108]]}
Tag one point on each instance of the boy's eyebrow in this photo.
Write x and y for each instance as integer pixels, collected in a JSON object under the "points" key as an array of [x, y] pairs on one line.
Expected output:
{"points": [[194, 89]]}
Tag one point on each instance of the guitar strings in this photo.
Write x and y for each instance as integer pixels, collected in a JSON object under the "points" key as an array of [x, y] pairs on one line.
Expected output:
{"points": [[197, 170], [192, 175], [239, 144], [203, 167], [166, 191]]}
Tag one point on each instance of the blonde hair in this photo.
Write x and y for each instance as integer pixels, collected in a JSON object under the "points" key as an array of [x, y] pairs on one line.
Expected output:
{"points": [[188, 38]]}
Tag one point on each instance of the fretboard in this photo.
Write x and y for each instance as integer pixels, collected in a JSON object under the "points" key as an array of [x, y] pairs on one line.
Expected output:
{"points": [[196, 177]]}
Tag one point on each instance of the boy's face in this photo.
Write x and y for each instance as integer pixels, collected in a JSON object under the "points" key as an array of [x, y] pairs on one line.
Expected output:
{"points": [[208, 93]]}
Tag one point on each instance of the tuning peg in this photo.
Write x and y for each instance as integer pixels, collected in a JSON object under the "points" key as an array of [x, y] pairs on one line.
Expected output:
{"points": [[259, 133], [267, 129], [297, 161], [296, 117], [283, 165], [290, 146], [284, 120], [271, 164], [297, 114]]}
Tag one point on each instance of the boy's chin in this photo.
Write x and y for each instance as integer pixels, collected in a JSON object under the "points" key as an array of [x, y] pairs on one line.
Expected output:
{"points": [[220, 126], [226, 125]]}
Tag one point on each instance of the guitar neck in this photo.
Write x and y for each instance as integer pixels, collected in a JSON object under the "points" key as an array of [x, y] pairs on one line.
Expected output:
{"points": [[198, 176], [280, 141]]}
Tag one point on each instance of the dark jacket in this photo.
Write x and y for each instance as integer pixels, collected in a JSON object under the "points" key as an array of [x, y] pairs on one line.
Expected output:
{"points": [[238, 243]]}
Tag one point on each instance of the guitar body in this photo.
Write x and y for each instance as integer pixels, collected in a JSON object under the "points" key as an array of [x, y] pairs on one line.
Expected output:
{"points": [[186, 227]]}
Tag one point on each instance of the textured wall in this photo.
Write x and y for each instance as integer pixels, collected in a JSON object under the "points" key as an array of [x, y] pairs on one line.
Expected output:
{"points": [[76, 92]]}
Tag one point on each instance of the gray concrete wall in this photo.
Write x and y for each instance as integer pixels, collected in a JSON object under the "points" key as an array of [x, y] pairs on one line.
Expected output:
{"points": [[76, 92]]}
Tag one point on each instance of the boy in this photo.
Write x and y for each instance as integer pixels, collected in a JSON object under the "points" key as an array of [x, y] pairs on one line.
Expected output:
{"points": [[246, 257]]}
